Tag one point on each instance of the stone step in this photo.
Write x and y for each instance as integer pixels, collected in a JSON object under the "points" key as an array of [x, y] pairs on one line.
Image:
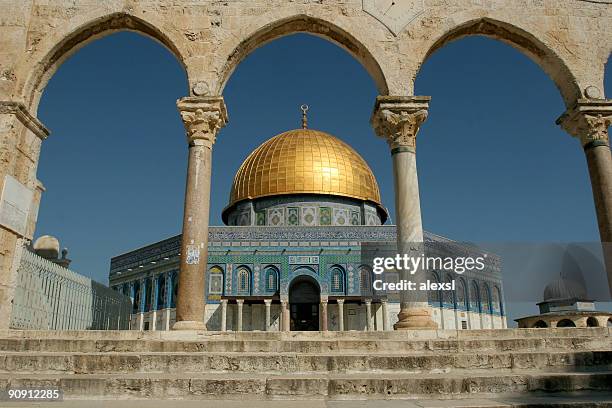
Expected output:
{"points": [[334, 335], [309, 346], [465, 384], [591, 399], [270, 363]]}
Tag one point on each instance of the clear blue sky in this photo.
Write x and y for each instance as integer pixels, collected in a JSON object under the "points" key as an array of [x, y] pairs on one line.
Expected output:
{"points": [[493, 166]]}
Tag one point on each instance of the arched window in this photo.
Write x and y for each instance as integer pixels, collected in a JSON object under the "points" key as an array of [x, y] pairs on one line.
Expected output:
{"points": [[337, 280], [137, 297], [497, 301], [215, 281], [148, 294], [566, 323], [486, 299], [475, 305], [592, 322], [161, 292], [271, 279], [449, 295], [540, 324], [365, 280], [434, 295], [174, 278], [461, 294], [244, 281]]}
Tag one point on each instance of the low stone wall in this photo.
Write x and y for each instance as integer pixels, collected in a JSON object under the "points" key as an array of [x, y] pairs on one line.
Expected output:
{"points": [[51, 297]]}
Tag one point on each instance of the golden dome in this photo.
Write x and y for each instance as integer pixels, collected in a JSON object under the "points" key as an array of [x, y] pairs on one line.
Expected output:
{"points": [[305, 161]]}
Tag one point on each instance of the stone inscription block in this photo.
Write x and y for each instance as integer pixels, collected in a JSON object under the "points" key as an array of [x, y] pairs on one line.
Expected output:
{"points": [[15, 205]]}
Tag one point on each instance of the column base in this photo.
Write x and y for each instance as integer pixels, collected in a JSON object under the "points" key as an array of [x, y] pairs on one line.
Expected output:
{"points": [[189, 325], [415, 319]]}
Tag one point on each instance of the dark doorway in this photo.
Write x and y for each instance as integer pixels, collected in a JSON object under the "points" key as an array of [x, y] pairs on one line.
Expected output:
{"points": [[304, 301]]}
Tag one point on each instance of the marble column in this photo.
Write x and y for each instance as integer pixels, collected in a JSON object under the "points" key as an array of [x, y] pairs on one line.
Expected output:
{"points": [[340, 314], [268, 303], [323, 312], [385, 313], [223, 314], [397, 119], [588, 120], [239, 302], [285, 318], [203, 117], [369, 322]]}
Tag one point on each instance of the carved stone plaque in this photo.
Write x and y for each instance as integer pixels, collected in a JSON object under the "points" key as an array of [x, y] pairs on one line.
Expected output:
{"points": [[15, 205], [394, 14]]}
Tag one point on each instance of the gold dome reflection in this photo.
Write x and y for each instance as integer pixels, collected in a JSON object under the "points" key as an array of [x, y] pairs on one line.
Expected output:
{"points": [[304, 161]]}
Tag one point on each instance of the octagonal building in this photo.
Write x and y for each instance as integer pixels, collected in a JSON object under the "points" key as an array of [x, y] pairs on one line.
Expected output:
{"points": [[301, 206]]}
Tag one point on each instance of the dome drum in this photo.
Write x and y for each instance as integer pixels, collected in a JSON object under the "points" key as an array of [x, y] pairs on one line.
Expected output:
{"points": [[303, 210]]}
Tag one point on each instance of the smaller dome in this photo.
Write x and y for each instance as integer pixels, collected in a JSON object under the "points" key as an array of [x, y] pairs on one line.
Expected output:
{"points": [[47, 246], [564, 289]]}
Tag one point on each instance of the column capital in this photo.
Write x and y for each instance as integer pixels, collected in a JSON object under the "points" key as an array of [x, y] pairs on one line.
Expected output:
{"points": [[588, 120], [268, 302], [341, 301], [398, 119], [368, 301], [239, 301], [224, 301], [202, 116]]}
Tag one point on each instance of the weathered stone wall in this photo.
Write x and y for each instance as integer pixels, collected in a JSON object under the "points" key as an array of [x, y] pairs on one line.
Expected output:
{"points": [[570, 39]]}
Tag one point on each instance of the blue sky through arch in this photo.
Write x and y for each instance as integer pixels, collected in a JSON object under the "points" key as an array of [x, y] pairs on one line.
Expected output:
{"points": [[492, 163]]}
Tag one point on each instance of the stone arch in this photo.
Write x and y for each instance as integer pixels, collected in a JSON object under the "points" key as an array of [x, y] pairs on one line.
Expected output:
{"points": [[79, 32], [540, 324], [263, 33], [523, 40], [608, 77], [566, 323], [592, 322], [310, 280]]}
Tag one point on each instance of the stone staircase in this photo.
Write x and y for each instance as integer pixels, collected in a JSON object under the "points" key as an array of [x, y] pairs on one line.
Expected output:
{"points": [[445, 364]]}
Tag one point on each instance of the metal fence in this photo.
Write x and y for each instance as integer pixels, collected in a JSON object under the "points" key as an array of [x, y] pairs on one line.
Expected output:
{"points": [[51, 297]]}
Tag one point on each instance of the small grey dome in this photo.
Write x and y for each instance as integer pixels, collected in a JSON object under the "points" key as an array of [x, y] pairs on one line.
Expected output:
{"points": [[47, 247], [564, 289]]}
